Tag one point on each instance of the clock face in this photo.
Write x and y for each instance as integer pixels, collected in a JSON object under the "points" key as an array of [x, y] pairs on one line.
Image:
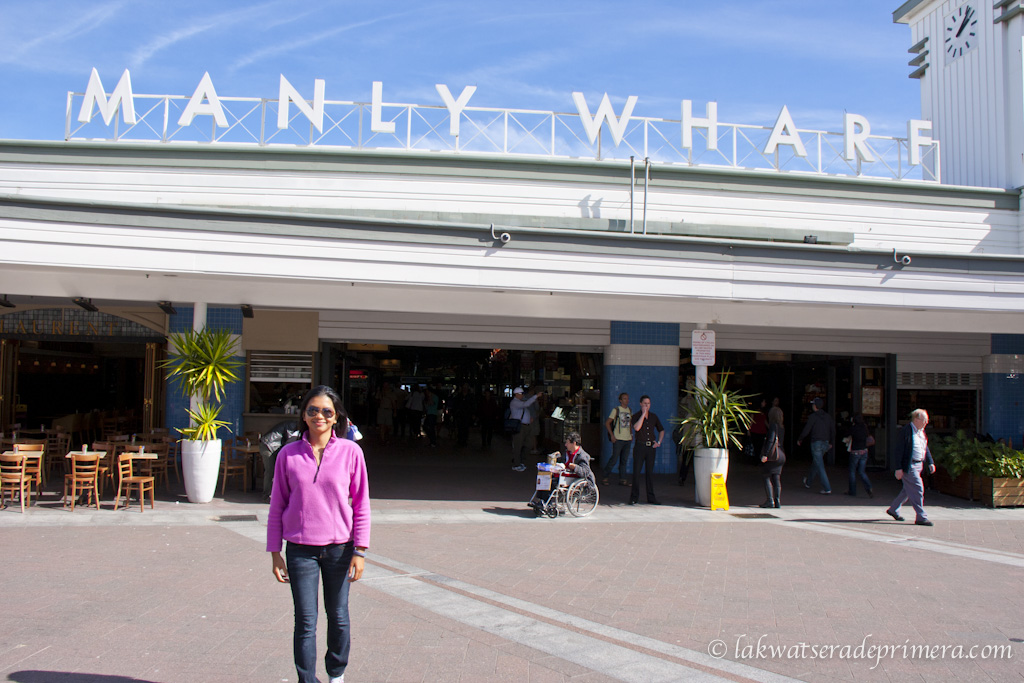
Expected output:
{"points": [[961, 31]]}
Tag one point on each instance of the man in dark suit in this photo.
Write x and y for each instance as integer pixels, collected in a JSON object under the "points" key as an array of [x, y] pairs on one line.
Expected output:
{"points": [[912, 448]]}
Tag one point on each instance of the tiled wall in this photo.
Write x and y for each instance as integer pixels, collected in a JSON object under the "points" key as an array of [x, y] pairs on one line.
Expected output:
{"points": [[643, 359], [1002, 413], [231, 319]]}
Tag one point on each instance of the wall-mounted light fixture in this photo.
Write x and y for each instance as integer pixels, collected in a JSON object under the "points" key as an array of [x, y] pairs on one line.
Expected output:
{"points": [[810, 239], [87, 304], [166, 307], [247, 311], [6, 303]]}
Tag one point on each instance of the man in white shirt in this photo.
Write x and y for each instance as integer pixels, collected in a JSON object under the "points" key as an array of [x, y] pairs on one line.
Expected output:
{"points": [[519, 409], [915, 455], [620, 431]]}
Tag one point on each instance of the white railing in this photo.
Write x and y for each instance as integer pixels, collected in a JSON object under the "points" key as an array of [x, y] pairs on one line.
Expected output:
{"points": [[515, 132]]}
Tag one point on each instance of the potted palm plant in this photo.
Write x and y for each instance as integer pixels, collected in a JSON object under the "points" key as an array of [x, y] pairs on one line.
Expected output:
{"points": [[716, 418], [203, 361]]}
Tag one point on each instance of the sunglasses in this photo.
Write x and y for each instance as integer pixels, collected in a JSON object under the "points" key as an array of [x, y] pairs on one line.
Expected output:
{"points": [[313, 411]]}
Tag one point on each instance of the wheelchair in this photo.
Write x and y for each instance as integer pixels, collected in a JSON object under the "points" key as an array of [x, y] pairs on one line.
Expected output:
{"points": [[559, 491]]}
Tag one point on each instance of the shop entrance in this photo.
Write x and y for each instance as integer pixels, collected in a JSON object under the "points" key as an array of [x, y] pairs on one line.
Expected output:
{"points": [[473, 387], [848, 385], [70, 369]]}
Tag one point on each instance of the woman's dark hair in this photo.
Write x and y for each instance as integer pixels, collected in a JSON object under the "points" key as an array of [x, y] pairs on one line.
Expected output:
{"points": [[858, 419], [341, 427]]}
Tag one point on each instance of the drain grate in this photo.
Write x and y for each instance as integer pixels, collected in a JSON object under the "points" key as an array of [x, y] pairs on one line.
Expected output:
{"points": [[235, 518], [754, 515]]}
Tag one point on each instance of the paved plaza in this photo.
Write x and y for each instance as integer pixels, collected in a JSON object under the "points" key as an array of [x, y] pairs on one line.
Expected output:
{"points": [[463, 584]]}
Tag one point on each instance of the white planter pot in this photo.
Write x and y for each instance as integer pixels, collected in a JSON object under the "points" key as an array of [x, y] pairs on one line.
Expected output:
{"points": [[708, 461], [200, 465]]}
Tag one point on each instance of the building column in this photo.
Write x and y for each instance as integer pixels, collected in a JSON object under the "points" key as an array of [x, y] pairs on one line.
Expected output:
{"points": [[1002, 388], [643, 358]]}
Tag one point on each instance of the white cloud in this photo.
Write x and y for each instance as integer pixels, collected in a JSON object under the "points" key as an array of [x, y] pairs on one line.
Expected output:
{"points": [[23, 53]]}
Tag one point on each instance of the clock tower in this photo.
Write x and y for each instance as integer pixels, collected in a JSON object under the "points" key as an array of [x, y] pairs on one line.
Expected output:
{"points": [[968, 57]]}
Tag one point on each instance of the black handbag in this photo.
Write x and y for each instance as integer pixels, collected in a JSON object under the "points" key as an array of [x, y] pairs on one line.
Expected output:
{"points": [[512, 425]]}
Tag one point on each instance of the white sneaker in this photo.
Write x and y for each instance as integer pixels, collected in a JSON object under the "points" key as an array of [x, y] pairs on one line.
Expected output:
{"points": [[519, 468], [339, 679]]}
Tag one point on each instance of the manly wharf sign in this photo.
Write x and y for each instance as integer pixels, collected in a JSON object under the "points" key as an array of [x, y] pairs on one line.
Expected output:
{"points": [[696, 138]]}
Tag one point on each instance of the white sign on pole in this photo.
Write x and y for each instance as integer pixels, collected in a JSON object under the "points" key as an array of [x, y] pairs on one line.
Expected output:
{"points": [[702, 347]]}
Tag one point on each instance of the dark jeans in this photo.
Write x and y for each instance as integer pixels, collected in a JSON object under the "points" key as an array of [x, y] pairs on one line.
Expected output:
{"points": [[306, 564], [430, 427], [643, 457], [858, 464], [619, 456]]}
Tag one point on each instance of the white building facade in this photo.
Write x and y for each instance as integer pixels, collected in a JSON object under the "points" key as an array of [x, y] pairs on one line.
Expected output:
{"points": [[916, 273]]}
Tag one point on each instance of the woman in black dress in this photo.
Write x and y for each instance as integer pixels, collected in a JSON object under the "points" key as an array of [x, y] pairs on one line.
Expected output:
{"points": [[773, 458]]}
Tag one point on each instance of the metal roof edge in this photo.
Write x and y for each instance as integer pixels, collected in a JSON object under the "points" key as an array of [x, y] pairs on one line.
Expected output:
{"points": [[486, 228]]}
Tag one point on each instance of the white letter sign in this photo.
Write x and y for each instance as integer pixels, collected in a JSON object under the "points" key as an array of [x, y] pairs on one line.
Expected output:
{"points": [[784, 133], [195, 107], [710, 123], [592, 124], [287, 93], [916, 139], [121, 97], [376, 125], [455, 107], [855, 143]]}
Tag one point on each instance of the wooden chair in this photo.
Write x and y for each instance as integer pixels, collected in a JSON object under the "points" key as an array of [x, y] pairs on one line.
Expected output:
{"points": [[35, 473], [58, 443], [13, 478], [84, 477], [232, 464], [127, 479], [153, 468], [108, 462]]}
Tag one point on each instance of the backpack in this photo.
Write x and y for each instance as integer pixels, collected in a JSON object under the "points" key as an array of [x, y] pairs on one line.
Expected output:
{"points": [[615, 423]]}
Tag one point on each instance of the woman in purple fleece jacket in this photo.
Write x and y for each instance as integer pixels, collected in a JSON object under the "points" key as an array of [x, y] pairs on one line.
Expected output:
{"points": [[315, 479]]}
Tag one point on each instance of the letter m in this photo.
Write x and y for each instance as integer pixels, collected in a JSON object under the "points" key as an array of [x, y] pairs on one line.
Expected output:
{"points": [[122, 97]]}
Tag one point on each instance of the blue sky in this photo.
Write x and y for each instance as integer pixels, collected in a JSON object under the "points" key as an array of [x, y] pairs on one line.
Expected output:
{"points": [[819, 58]]}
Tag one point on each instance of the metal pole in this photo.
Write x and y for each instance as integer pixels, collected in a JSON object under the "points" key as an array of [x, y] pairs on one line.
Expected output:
{"points": [[647, 177], [632, 182]]}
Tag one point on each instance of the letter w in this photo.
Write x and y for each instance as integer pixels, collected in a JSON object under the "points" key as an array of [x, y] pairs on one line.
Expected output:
{"points": [[592, 124]]}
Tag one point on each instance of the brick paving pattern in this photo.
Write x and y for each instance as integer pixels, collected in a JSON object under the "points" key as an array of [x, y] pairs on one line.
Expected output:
{"points": [[464, 585]]}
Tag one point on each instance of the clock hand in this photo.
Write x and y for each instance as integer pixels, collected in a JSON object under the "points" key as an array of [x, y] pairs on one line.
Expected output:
{"points": [[963, 24]]}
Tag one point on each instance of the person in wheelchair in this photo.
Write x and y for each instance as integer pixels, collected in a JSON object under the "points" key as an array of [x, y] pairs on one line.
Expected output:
{"points": [[576, 461]]}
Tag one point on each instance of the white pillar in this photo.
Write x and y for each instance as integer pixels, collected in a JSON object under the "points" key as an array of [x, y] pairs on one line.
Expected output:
{"points": [[701, 371], [198, 323]]}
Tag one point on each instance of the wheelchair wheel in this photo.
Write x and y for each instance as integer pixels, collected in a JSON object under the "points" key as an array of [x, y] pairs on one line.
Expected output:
{"points": [[581, 499], [552, 509]]}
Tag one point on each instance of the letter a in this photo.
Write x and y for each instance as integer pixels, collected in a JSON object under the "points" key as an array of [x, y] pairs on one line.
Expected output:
{"points": [[784, 133], [195, 106], [592, 124], [121, 97]]}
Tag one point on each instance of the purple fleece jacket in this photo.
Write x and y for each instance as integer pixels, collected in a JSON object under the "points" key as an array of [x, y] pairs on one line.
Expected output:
{"points": [[311, 505]]}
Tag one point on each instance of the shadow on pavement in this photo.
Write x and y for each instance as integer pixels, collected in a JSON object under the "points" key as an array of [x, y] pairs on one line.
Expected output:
{"points": [[67, 677]]}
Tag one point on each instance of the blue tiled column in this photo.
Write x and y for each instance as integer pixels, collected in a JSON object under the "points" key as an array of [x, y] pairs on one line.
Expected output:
{"points": [[234, 401], [1002, 413], [643, 358]]}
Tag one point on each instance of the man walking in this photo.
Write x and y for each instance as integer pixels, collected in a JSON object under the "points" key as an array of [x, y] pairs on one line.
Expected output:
{"points": [[822, 430], [914, 453], [519, 409], [619, 426], [649, 434]]}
